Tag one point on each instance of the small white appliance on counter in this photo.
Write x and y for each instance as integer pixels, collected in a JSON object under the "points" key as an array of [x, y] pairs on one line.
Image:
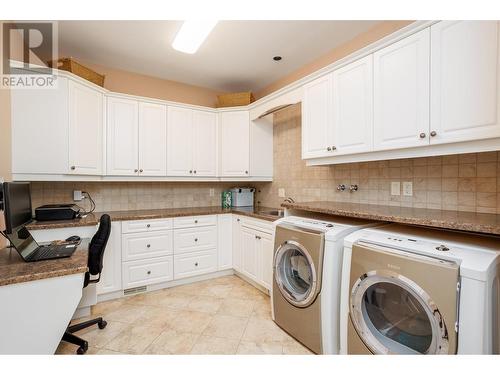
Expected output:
{"points": [[242, 197]]}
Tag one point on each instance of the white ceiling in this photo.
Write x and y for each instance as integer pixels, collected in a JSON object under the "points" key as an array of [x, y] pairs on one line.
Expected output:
{"points": [[236, 56]]}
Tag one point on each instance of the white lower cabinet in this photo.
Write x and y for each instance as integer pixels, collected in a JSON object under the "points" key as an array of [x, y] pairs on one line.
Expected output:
{"points": [[253, 247], [195, 263], [147, 271], [111, 275]]}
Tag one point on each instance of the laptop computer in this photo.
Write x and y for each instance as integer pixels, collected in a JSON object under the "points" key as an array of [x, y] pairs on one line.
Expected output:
{"points": [[31, 251]]}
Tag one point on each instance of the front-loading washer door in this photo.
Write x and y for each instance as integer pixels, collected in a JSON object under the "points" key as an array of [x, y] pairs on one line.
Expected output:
{"points": [[393, 314], [295, 274]]}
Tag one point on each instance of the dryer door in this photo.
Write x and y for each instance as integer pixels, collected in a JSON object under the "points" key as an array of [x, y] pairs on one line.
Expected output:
{"points": [[392, 310], [295, 274]]}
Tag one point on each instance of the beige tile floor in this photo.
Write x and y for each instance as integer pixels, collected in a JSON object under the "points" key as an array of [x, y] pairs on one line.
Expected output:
{"points": [[219, 316]]}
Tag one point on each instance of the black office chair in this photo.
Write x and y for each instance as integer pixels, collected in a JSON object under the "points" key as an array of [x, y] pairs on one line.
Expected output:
{"points": [[96, 252]]}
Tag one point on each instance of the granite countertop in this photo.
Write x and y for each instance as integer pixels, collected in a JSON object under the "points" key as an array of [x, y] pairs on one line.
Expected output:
{"points": [[458, 220], [13, 269], [93, 219]]}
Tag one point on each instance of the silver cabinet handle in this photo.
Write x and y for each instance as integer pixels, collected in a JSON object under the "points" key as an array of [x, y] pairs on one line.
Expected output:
{"points": [[433, 133], [73, 167], [422, 135], [258, 237], [341, 187], [334, 148], [140, 170], [136, 170], [328, 148]]}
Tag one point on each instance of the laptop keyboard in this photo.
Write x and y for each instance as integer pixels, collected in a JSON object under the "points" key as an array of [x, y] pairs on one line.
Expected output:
{"points": [[44, 252]]}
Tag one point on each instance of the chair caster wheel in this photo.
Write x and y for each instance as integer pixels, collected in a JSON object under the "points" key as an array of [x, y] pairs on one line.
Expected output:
{"points": [[82, 349], [102, 324]]}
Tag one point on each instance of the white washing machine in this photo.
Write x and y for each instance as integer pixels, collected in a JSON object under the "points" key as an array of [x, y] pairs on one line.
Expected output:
{"points": [[409, 290], [306, 278]]}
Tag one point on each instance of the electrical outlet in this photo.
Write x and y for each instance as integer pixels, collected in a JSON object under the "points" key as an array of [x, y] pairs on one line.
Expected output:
{"points": [[395, 188], [212, 192], [408, 188], [281, 193], [77, 195]]}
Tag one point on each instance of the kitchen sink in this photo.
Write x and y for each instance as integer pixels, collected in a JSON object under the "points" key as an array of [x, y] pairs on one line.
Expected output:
{"points": [[277, 213]]}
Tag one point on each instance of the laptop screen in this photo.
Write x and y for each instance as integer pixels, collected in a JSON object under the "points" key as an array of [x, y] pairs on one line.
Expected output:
{"points": [[22, 240]]}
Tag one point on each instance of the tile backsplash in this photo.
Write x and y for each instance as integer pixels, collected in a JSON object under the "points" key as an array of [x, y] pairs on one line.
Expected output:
{"points": [[466, 182], [116, 196]]}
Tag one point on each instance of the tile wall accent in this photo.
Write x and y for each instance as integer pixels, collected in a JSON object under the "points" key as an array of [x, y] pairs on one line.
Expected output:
{"points": [[116, 196], [467, 182]]}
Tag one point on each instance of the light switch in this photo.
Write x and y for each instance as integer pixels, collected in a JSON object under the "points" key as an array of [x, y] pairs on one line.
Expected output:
{"points": [[281, 193], [77, 195], [212, 192], [395, 188], [408, 188]]}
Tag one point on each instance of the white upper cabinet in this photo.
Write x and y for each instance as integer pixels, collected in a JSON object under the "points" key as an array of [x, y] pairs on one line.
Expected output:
{"points": [[40, 130], [464, 81], [353, 107], [234, 143], [204, 144], [401, 92], [317, 127], [191, 143], [152, 139], [85, 130], [179, 142], [122, 137]]}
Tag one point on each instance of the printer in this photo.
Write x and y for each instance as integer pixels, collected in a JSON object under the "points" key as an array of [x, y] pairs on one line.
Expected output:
{"points": [[57, 212]]}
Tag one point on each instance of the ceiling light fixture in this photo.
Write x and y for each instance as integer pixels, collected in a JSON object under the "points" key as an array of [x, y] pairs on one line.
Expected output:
{"points": [[192, 34]]}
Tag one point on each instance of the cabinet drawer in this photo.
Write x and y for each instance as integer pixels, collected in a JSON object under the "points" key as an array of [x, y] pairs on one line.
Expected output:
{"points": [[146, 225], [192, 264], [194, 221], [148, 271], [194, 239], [147, 245], [256, 224]]}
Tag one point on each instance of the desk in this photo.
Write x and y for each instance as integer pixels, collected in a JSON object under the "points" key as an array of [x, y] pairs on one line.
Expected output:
{"points": [[38, 299]]}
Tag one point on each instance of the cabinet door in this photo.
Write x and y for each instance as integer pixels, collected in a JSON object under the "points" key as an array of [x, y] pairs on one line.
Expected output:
{"points": [[317, 126], [353, 107], [205, 144], [179, 142], [40, 134], [122, 137], [465, 102], [401, 92], [225, 242], [249, 254], [85, 130], [266, 251], [152, 139], [111, 275], [237, 245], [235, 141]]}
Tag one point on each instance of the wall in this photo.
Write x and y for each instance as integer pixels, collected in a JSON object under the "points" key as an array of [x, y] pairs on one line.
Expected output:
{"points": [[362, 40], [116, 196], [466, 182], [142, 85]]}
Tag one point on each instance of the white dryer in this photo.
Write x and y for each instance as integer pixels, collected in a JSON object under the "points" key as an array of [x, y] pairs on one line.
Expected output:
{"points": [[410, 290], [306, 278]]}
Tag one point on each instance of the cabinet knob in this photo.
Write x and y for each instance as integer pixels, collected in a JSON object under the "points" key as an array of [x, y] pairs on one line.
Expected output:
{"points": [[246, 172], [149, 272], [334, 148], [238, 220], [422, 135], [194, 171], [148, 225], [328, 148], [196, 264], [191, 171], [140, 170], [148, 245], [196, 221], [73, 167], [195, 240], [136, 170], [433, 133]]}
